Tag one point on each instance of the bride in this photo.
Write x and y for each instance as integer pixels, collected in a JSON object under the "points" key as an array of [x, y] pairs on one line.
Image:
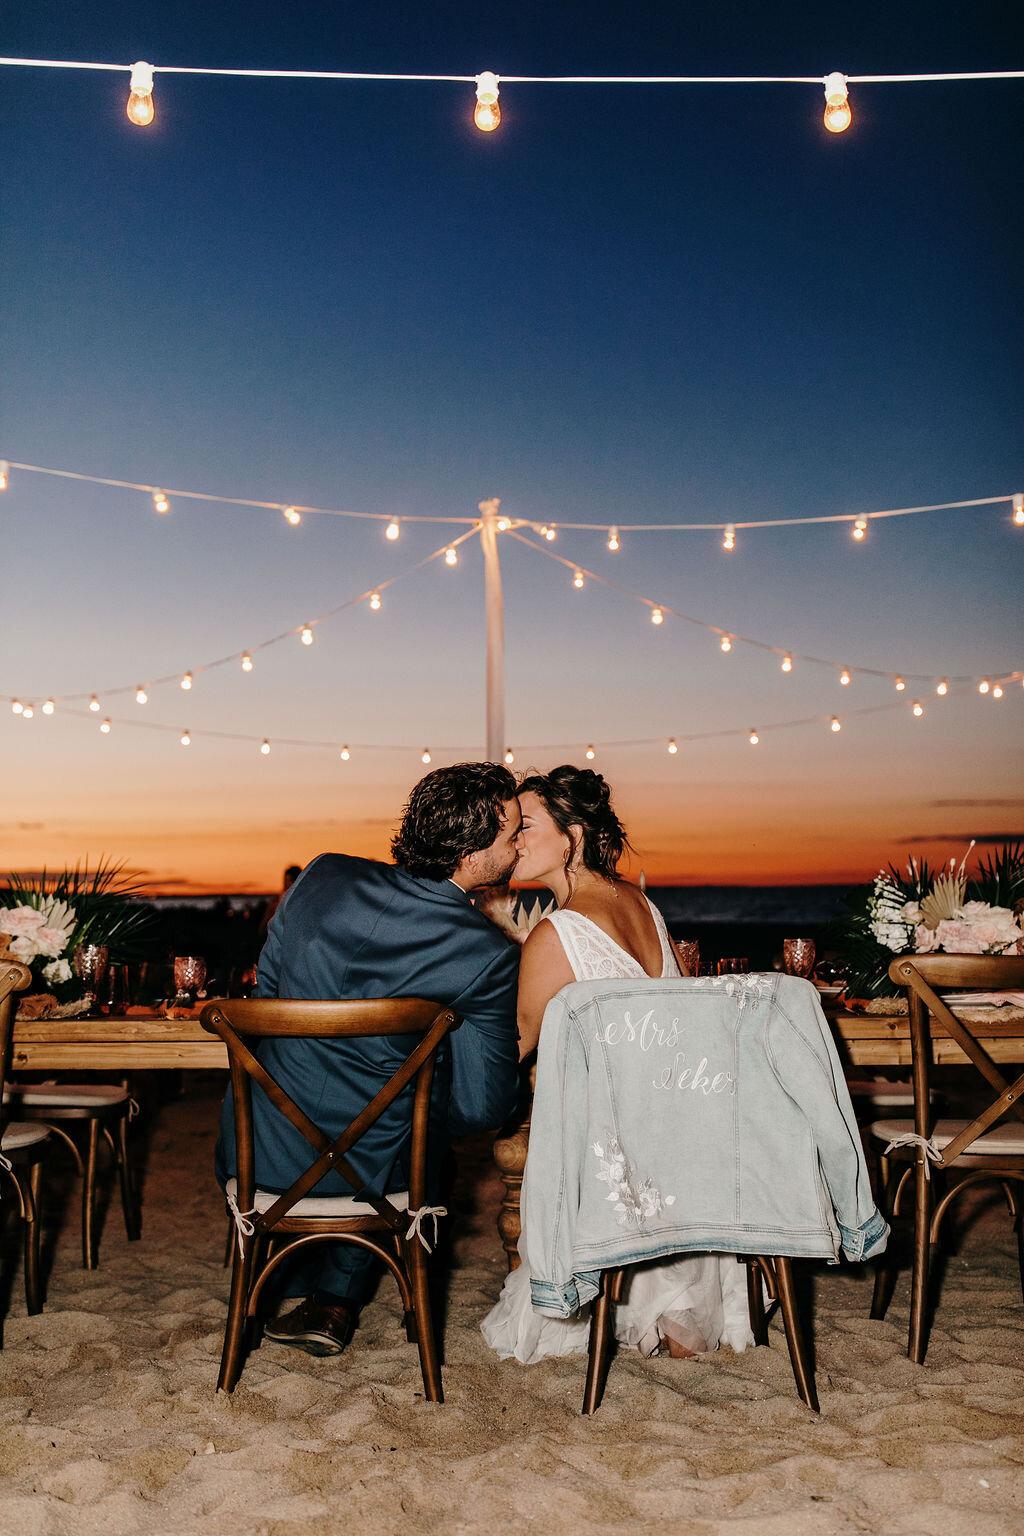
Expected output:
{"points": [[571, 841]]}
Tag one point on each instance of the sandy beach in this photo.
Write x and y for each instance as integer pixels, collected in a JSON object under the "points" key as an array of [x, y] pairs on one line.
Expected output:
{"points": [[111, 1422]]}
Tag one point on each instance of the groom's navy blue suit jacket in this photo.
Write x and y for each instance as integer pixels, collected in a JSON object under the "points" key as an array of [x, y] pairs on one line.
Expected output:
{"points": [[351, 928]]}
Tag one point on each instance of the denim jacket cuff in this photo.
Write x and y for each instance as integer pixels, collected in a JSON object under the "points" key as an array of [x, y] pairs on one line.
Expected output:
{"points": [[866, 1241], [564, 1300]]}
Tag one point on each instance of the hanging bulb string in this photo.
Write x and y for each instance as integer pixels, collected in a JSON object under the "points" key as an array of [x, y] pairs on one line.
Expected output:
{"points": [[730, 634], [262, 645], [602, 527]]}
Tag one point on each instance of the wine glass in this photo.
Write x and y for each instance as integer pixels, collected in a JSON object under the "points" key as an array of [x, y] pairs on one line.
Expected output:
{"points": [[688, 955], [89, 963], [798, 956], [189, 975], [738, 965]]}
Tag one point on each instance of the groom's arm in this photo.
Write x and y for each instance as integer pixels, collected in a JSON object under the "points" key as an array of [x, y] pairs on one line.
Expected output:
{"points": [[485, 1053]]}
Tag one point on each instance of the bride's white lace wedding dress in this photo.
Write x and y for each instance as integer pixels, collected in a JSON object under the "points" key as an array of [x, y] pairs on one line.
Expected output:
{"points": [[700, 1300]]}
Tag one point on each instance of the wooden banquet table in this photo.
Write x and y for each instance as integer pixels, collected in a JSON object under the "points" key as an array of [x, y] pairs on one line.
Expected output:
{"points": [[140, 1042]]}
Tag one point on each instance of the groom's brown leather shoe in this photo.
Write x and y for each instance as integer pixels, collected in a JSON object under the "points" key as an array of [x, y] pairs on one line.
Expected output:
{"points": [[319, 1330]]}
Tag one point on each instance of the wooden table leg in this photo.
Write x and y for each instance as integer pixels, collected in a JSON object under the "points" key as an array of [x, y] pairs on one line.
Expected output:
{"points": [[510, 1156]]}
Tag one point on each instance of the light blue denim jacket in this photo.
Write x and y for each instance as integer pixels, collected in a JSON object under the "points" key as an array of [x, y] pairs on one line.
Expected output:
{"points": [[697, 1114]]}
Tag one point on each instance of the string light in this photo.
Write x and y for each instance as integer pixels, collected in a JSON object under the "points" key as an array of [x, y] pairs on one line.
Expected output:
{"points": [[160, 502], [900, 685], [997, 693], [5, 470], [374, 601], [844, 677], [17, 707], [392, 530], [451, 556], [577, 581], [344, 754], [141, 696], [657, 617], [265, 748], [984, 685], [837, 108], [753, 738], [860, 527], [672, 748], [504, 525], [787, 664], [487, 113], [425, 756], [94, 704], [943, 688], [307, 635], [551, 533], [186, 681], [729, 537], [27, 712], [725, 644], [835, 724], [50, 706], [510, 757], [140, 100], [186, 738], [246, 662], [590, 754], [613, 539], [1018, 506], [292, 515], [918, 708], [105, 727]]}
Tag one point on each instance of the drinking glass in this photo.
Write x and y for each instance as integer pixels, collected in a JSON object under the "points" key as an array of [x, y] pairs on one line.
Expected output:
{"points": [[735, 966], [688, 954], [189, 975], [798, 956], [89, 963]]}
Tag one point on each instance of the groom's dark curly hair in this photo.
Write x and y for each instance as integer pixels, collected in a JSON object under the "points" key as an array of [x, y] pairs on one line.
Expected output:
{"points": [[452, 812]]}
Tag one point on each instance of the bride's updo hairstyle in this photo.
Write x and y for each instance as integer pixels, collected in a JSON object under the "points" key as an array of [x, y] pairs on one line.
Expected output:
{"points": [[580, 798]]}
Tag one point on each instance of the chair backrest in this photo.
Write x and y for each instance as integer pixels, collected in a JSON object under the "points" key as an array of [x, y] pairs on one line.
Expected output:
{"points": [[14, 978], [921, 975], [239, 1021]]}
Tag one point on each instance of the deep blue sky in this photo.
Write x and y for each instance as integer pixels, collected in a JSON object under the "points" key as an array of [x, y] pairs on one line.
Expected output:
{"points": [[628, 304]]}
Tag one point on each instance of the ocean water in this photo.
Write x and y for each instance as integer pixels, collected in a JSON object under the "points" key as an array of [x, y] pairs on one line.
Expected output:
{"points": [[755, 905]]}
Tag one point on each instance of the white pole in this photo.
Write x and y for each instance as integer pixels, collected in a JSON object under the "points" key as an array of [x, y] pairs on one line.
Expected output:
{"points": [[495, 632]]}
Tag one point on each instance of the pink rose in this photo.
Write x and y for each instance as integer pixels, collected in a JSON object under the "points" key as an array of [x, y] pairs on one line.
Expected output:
{"points": [[50, 941], [21, 920], [926, 940], [959, 938]]}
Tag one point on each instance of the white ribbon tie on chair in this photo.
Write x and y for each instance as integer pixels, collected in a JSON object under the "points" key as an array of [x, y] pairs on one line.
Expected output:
{"points": [[932, 1153], [416, 1225], [243, 1224]]}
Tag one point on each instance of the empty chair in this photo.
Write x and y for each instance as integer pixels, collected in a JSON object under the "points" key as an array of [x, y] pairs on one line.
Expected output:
{"points": [[989, 1147], [391, 1225], [22, 1146]]}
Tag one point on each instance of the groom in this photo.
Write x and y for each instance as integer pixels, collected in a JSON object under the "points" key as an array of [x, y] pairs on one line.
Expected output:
{"points": [[351, 928]]}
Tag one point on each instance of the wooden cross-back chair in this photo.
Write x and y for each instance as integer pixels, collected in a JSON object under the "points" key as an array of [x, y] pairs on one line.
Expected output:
{"points": [[989, 1147], [388, 1225], [22, 1146]]}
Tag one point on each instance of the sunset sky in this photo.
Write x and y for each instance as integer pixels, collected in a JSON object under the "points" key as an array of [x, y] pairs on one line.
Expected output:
{"points": [[628, 305]]}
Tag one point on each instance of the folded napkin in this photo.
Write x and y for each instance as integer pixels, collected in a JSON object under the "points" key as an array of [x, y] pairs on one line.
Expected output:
{"points": [[985, 999]]}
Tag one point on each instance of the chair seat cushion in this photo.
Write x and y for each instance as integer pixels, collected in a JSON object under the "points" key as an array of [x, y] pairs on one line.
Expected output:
{"points": [[21, 1134], [1006, 1140], [66, 1095], [322, 1205]]}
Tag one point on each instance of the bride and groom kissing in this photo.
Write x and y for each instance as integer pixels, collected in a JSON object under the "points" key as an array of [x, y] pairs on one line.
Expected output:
{"points": [[355, 928]]}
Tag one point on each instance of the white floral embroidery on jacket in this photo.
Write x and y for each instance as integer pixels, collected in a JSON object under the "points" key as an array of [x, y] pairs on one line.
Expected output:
{"points": [[634, 1205]]}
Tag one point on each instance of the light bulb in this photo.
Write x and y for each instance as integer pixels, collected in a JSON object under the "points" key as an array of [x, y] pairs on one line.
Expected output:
{"points": [[292, 515], [657, 617], [344, 754], [590, 754], [246, 662], [425, 755], [307, 635], [860, 527], [729, 537], [186, 681], [160, 502], [186, 739], [50, 706], [836, 724], [17, 707], [94, 704], [375, 600], [140, 101], [28, 712], [141, 696], [510, 757], [451, 557], [837, 108], [997, 693], [551, 533], [1018, 500], [577, 580], [487, 113], [787, 664], [672, 749], [504, 525], [844, 677], [900, 685], [265, 749], [725, 644], [753, 738], [918, 708], [105, 727], [943, 688], [392, 530], [984, 685], [613, 539], [5, 470]]}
